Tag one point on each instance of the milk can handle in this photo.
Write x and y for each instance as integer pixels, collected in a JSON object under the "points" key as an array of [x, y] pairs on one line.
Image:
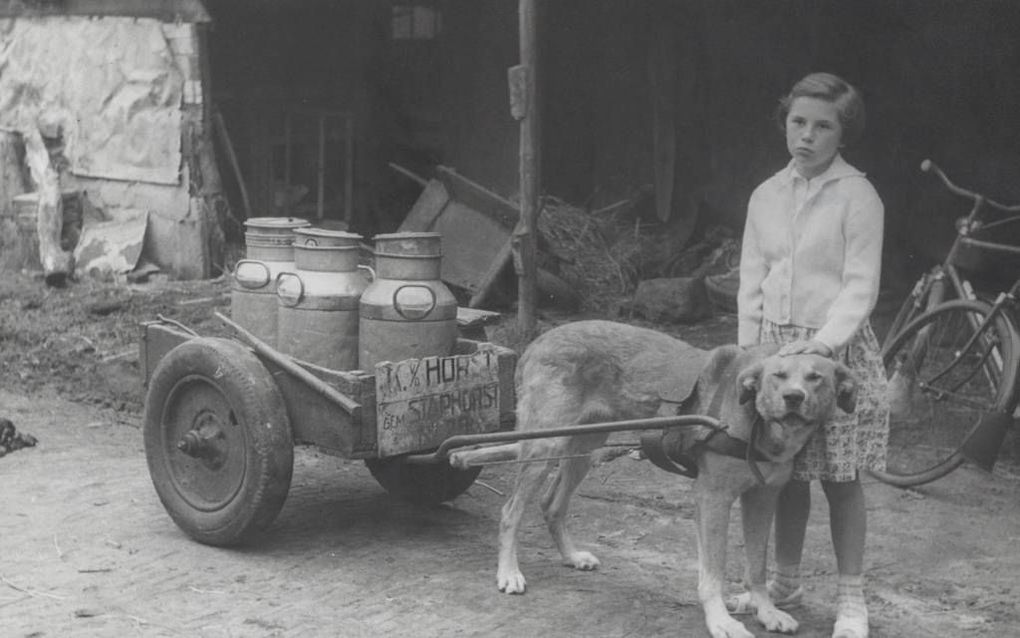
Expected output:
{"points": [[371, 272], [252, 286], [301, 289], [400, 311]]}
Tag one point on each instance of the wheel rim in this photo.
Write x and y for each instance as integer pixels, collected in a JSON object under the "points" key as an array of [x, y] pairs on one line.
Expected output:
{"points": [[203, 444], [938, 391]]}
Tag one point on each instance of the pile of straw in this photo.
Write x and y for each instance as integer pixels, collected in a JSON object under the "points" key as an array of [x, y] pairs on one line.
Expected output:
{"points": [[599, 255]]}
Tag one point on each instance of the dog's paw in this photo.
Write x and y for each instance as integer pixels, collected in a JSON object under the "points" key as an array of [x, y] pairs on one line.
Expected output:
{"points": [[728, 627], [584, 561], [511, 582], [777, 620]]}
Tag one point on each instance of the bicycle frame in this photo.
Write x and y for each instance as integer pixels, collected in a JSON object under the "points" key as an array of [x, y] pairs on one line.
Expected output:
{"points": [[930, 290]]}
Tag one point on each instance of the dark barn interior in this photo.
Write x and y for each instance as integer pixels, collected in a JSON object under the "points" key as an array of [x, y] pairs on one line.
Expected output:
{"points": [[358, 84]]}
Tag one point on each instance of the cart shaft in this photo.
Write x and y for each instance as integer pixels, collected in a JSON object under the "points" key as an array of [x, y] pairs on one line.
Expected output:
{"points": [[653, 423]]}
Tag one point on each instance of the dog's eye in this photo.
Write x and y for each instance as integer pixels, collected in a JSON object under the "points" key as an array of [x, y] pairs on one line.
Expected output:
{"points": [[812, 376]]}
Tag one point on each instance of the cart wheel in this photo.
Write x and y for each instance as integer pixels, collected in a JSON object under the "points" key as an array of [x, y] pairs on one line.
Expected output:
{"points": [[217, 440], [421, 483]]}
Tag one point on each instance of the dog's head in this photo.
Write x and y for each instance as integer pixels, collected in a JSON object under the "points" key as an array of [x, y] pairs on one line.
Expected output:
{"points": [[795, 394]]}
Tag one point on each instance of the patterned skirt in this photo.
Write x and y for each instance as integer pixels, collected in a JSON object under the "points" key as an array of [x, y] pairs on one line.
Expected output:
{"points": [[848, 442]]}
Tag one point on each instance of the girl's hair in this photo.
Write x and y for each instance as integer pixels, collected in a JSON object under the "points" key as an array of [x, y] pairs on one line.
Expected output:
{"points": [[831, 88]]}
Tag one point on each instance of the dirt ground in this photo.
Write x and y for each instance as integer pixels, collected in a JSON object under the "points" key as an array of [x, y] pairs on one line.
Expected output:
{"points": [[89, 551]]}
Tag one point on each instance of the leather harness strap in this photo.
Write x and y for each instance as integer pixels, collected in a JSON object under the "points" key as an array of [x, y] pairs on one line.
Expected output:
{"points": [[719, 441]]}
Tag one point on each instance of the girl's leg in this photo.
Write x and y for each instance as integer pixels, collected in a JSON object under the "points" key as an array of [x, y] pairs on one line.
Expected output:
{"points": [[848, 523]]}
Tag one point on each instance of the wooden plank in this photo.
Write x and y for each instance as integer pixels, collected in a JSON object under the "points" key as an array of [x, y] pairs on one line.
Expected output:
{"points": [[478, 197], [489, 278], [422, 402], [470, 243], [429, 205]]}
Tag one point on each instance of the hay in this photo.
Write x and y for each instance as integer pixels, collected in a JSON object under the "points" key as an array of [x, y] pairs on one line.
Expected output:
{"points": [[600, 255], [605, 255]]}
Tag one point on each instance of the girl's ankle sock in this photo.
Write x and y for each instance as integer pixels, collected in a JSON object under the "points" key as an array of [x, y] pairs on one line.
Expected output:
{"points": [[785, 581], [850, 599]]}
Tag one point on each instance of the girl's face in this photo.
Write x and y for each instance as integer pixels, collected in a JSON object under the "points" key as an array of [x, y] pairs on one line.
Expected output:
{"points": [[813, 134]]}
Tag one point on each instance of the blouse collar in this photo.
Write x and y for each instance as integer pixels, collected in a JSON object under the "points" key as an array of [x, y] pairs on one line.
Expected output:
{"points": [[838, 169]]}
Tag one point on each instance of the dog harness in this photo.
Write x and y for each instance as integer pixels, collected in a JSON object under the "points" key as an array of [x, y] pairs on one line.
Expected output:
{"points": [[678, 454]]}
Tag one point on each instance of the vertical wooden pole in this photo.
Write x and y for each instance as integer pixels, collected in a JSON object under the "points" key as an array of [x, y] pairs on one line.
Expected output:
{"points": [[321, 194], [288, 151], [524, 238], [349, 171]]}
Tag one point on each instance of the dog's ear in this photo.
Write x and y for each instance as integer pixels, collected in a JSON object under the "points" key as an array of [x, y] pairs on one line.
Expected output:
{"points": [[749, 381], [846, 388]]}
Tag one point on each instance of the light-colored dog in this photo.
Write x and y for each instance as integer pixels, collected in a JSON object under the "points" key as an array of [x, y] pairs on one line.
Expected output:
{"points": [[598, 371]]}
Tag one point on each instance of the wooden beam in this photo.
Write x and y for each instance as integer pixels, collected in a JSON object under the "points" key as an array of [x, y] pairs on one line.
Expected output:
{"points": [[523, 79]]}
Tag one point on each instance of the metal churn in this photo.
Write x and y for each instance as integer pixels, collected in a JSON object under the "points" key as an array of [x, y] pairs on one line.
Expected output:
{"points": [[407, 312], [318, 302], [269, 251]]}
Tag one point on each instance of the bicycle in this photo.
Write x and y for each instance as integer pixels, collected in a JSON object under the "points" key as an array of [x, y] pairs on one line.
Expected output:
{"points": [[952, 360]]}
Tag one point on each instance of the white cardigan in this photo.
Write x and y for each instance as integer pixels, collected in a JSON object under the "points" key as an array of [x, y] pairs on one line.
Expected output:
{"points": [[812, 254]]}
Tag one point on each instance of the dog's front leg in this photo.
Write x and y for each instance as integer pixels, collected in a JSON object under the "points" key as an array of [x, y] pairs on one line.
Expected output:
{"points": [[714, 498], [758, 507]]}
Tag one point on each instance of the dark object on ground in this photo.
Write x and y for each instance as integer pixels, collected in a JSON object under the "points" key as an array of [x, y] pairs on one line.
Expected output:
{"points": [[722, 290], [672, 300], [11, 439]]}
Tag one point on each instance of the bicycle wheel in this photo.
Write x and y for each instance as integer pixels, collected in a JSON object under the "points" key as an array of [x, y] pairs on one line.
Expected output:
{"points": [[946, 369]]}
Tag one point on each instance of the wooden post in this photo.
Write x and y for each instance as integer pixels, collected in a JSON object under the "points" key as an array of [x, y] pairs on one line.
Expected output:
{"points": [[524, 107], [320, 206]]}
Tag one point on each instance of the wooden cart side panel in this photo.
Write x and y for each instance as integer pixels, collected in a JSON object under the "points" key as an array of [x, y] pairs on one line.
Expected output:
{"points": [[508, 391], [507, 366], [315, 420], [158, 338]]}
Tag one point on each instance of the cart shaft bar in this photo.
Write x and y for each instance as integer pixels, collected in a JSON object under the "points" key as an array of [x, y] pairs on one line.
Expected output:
{"points": [[348, 404], [653, 423]]}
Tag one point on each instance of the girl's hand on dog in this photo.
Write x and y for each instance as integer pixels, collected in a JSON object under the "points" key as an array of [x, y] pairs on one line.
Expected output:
{"points": [[812, 346]]}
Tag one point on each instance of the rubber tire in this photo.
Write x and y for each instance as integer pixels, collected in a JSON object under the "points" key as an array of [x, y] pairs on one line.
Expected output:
{"points": [[421, 483], [218, 379], [1005, 398]]}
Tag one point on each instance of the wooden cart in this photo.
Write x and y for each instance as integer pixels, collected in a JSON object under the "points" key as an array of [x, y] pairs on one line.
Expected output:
{"points": [[222, 417]]}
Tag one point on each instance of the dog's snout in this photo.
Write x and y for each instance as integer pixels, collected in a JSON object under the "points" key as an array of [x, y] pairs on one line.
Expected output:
{"points": [[794, 397]]}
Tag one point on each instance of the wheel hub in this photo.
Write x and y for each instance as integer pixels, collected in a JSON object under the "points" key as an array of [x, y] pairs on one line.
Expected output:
{"points": [[206, 441]]}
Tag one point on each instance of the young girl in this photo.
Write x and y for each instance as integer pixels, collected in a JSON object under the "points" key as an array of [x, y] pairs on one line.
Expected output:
{"points": [[809, 276]]}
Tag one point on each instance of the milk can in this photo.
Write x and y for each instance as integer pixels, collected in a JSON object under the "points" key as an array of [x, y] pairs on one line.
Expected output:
{"points": [[268, 252], [407, 311], [318, 301]]}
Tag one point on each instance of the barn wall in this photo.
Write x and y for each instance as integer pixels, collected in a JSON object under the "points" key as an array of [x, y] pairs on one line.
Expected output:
{"points": [[479, 45], [939, 81], [124, 88]]}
